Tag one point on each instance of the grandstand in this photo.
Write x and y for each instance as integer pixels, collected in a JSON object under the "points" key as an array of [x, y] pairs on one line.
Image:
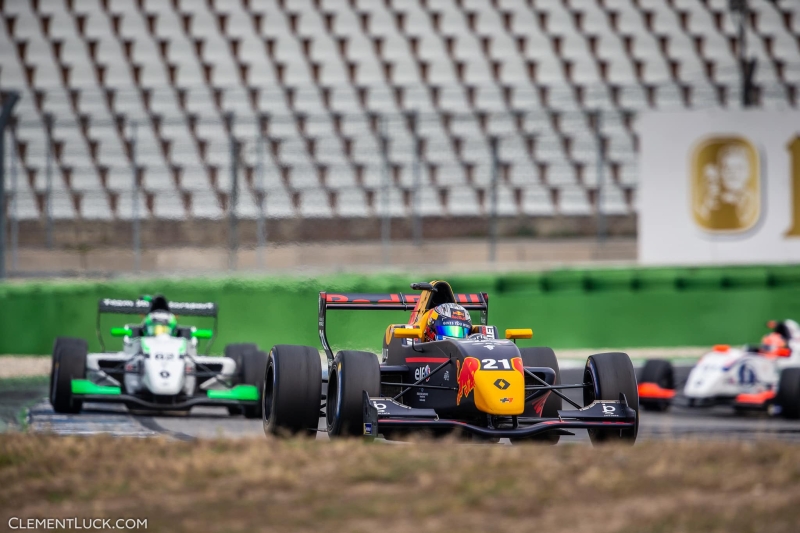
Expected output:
{"points": [[340, 108]]}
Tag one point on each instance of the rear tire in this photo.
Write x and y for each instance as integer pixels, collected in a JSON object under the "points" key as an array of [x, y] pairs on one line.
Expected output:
{"points": [[660, 372], [69, 362], [254, 372], [789, 393], [353, 373], [545, 357], [291, 392], [611, 374]]}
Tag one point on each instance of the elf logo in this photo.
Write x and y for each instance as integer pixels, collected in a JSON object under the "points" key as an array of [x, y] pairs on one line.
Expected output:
{"points": [[422, 372]]}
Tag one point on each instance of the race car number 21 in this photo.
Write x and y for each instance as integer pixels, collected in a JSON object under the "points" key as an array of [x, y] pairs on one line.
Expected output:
{"points": [[491, 364]]}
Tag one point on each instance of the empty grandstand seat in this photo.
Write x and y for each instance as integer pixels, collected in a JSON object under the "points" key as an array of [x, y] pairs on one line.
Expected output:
{"points": [[324, 73]]}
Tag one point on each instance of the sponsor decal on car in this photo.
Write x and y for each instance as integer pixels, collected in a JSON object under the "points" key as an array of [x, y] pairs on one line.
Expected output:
{"points": [[502, 384], [466, 377], [421, 372], [506, 400]]}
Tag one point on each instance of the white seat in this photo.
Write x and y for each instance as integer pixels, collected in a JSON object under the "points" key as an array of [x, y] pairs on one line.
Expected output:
{"points": [[536, 201], [205, 204], [462, 201], [352, 202], [95, 206]]}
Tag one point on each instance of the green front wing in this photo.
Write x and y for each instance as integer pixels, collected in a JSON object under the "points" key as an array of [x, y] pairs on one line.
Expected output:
{"points": [[243, 393]]}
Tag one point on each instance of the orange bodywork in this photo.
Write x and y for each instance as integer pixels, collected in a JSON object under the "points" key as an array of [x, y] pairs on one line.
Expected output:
{"points": [[652, 391], [759, 398]]}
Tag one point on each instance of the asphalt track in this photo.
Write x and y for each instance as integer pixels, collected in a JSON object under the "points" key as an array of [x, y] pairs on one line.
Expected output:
{"points": [[716, 423]]}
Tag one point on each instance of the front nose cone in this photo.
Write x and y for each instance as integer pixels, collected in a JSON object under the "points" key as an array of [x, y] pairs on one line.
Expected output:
{"points": [[166, 377], [500, 392]]}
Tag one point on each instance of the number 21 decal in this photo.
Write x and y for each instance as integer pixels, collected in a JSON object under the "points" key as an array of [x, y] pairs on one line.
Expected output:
{"points": [[491, 364]]}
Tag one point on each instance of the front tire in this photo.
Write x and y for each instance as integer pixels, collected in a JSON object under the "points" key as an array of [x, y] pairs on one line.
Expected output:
{"points": [[69, 362], [660, 372], [254, 372], [353, 373], [291, 392], [610, 374], [238, 352], [789, 393], [543, 357]]}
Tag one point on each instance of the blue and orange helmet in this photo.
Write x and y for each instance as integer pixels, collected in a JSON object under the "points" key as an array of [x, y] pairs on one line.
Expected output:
{"points": [[446, 321]]}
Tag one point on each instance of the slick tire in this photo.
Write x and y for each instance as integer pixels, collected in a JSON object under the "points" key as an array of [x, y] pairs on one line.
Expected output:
{"points": [[352, 373], [610, 374], [237, 351], [789, 393], [291, 392], [254, 371], [660, 372], [541, 356], [69, 362]]}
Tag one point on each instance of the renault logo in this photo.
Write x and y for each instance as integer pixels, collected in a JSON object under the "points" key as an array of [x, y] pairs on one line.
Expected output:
{"points": [[502, 384]]}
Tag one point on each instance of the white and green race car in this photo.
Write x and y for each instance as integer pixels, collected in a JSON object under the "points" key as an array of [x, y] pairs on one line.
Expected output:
{"points": [[158, 368]]}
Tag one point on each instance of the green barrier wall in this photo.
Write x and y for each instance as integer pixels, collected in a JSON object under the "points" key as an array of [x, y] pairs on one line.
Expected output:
{"points": [[565, 308]]}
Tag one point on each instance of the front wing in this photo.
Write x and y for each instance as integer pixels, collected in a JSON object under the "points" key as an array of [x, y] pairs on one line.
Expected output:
{"points": [[385, 413], [239, 395]]}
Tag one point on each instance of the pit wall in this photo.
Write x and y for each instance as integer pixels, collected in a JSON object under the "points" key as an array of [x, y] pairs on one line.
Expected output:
{"points": [[658, 307]]}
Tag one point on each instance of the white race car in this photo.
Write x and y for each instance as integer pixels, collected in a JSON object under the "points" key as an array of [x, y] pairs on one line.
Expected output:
{"points": [[763, 377], [158, 368]]}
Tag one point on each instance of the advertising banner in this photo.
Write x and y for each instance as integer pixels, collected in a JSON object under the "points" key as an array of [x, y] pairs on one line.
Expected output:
{"points": [[719, 187]]}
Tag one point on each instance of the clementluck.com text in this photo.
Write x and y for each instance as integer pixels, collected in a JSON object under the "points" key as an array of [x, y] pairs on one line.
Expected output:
{"points": [[16, 523]]}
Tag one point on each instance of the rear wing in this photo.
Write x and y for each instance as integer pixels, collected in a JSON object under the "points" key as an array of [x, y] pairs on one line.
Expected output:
{"points": [[387, 302], [142, 307]]}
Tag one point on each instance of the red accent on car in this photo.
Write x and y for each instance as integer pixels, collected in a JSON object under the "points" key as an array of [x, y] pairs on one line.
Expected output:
{"points": [[426, 359], [655, 392], [758, 398], [538, 403]]}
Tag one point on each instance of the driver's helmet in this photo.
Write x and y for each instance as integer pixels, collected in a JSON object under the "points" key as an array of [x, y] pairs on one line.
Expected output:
{"points": [[159, 323], [447, 321], [771, 343]]}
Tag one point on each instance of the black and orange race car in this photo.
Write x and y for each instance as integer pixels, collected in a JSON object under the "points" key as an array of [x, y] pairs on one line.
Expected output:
{"points": [[438, 374]]}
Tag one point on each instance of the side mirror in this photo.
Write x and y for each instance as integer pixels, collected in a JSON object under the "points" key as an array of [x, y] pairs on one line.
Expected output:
{"points": [[408, 333], [202, 334], [519, 333], [121, 332]]}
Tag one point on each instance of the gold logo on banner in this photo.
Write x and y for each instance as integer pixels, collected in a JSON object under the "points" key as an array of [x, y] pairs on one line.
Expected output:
{"points": [[794, 153], [726, 184]]}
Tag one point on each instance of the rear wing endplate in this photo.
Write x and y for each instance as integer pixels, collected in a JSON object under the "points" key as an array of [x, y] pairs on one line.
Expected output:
{"points": [[387, 302]]}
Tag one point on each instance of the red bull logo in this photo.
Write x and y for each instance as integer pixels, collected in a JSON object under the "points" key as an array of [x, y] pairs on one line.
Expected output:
{"points": [[466, 377]]}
